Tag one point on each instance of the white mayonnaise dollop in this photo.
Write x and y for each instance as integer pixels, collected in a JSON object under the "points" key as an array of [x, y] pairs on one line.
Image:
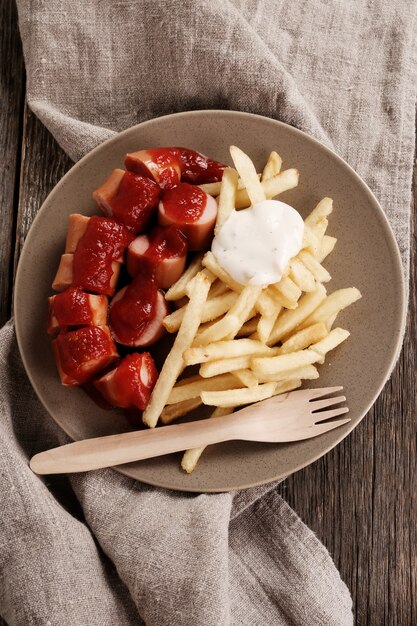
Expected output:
{"points": [[255, 245]]}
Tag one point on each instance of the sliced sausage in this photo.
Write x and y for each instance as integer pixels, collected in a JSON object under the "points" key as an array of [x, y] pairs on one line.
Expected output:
{"points": [[139, 325], [164, 249], [167, 166], [81, 354], [77, 225], [107, 191], [74, 307], [129, 198], [64, 277], [130, 384], [160, 164], [193, 211]]}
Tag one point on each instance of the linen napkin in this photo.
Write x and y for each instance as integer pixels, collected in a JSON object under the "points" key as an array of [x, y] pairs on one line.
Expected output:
{"points": [[99, 548]]}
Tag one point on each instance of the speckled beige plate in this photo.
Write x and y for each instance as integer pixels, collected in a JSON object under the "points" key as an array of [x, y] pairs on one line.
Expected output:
{"points": [[366, 256]]}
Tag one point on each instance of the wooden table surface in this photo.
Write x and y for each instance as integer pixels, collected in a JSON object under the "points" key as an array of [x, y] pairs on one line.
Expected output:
{"points": [[360, 499]]}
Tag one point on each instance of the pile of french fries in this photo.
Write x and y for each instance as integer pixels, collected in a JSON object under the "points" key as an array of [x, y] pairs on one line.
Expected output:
{"points": [[250, 342]]}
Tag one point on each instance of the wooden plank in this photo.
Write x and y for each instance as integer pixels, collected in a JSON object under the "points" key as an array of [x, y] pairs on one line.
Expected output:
{"points": [[11, 107], [43, 165], [361, 499]]}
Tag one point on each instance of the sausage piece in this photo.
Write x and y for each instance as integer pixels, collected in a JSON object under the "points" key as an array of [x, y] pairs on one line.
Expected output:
{"points": [[164, 250], [130, 384], [74, 307], [129, 198], [139, 325], [167, 166], [193, 211], [81, 354], [160, 164], [64, 277]]}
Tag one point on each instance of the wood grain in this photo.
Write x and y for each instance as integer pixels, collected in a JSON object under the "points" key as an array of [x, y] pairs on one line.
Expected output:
{"points": [[360, 499], [11, 101], [43, 164]]}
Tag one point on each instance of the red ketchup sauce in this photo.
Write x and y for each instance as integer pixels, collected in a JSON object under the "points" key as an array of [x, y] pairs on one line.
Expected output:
{"points": [[165, 242], [72, 308], [135, 201], [134, 379], [197, 168], [103, 242], [79, 347], [130, 315], [184, 203]]}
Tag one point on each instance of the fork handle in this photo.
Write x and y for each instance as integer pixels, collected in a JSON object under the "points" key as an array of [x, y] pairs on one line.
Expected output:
{"points": [[91, 454]]}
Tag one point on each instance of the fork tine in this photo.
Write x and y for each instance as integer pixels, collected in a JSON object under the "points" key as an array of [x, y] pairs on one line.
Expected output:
{"points": [[324, 391], [323, 404], [320, 429], [326, 415]]}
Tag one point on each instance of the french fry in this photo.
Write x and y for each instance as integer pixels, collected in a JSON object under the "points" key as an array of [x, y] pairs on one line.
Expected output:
{"points": [[178, 289], [335, 302], [225, 350], [248, 174], [311, 241], [285, 386], [288, 292], [330, 321], [311, 263], [301, 276], [212, 309], [289, 320], [266, 324], [288, 179], [187, 391], [226, 200], [213, 189], [305, 372], [333, 339], [319, 230], [174, 363], [234, 319], [248, 327], [205, 272], [272, 167], [304, 338], [267, 302], [175, 411], [245, 377], [222, 366], [218, 288], [322, 210], [327, 245], [191, 457], [237, 397], [266, 366], [224, 327], [181, 302]]}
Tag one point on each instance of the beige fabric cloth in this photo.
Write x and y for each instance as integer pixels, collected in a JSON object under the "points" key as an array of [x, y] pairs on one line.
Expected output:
{"points": [[99, 548]]}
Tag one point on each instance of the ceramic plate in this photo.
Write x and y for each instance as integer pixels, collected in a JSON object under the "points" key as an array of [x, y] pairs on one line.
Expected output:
{"points": [[366, 256]]}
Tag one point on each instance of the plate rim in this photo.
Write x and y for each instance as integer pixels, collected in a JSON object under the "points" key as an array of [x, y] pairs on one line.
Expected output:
{"points": [[398, 268]]}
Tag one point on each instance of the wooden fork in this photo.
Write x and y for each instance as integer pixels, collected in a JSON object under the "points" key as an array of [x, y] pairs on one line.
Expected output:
{"points": [[288, 417]]}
